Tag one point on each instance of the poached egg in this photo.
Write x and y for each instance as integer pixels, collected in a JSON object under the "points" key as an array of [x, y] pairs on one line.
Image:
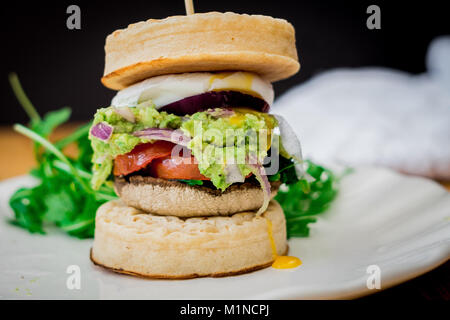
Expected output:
{"points": [[166, 89]]}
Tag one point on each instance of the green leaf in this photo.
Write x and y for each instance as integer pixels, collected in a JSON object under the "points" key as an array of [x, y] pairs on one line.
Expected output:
{"points": [[303, 200], [192, 182], [59, 205], [51, 120], [275, 177], [286, 172], [28, 212], [55, 151], [79, 134], [63, 197], [298, 228]]}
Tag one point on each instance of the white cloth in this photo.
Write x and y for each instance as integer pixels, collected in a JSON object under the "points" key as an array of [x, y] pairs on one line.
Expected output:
{"points": [[374, 116]]}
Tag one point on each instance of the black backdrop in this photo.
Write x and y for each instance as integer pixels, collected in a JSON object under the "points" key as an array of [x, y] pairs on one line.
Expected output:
{"points": [[60, 67]]}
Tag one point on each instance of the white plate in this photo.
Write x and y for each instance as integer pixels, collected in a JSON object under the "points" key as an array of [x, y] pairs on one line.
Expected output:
{"points": [[399, 223]]}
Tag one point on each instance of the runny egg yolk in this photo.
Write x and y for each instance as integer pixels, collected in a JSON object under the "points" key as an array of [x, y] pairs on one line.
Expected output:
{"points": [[242, 81], [280, 262], [239, 117]]}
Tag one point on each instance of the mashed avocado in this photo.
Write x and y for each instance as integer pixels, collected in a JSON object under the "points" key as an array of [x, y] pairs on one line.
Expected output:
{"points": [[217, 140]]}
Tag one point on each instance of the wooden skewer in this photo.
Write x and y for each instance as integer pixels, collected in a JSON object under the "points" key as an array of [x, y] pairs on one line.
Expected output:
{"points": [[189, 7]]}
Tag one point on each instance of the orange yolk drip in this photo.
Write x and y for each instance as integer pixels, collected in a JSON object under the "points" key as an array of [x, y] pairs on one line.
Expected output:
{"points": [[280, 262]]}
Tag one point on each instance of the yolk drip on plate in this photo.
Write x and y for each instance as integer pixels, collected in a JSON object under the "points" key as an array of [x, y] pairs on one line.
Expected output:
{"points": [[280, 262]]}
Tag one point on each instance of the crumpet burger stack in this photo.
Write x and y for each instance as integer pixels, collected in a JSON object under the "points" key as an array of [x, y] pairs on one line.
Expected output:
{"points": [[190, 148]]}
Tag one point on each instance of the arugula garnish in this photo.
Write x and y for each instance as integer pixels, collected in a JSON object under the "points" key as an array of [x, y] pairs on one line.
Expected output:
{"points": [[63, 196], [191, 182], [302, 201], [286, 173]]}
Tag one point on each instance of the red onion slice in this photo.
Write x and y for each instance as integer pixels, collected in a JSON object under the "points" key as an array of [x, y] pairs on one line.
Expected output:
{"points": [[260, 174], [215, 99], [174, 136], [125, 113], [102, 131], [291, 144]]}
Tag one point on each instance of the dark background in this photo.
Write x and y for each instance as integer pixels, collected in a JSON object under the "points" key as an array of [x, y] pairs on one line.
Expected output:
{"points": [[60, 67]]}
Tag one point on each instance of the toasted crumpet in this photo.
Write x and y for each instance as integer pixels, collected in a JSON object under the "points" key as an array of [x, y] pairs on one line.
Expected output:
{"points": [[211, 41], [130, 241]]}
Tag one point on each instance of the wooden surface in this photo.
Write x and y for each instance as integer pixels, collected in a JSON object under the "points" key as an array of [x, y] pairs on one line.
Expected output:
{"points": [[17, 151], [17, 159]]}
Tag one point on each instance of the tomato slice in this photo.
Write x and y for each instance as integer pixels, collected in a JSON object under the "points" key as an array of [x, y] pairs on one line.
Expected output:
{"points": [[156, 157], [176, 168], [141, 156]]}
